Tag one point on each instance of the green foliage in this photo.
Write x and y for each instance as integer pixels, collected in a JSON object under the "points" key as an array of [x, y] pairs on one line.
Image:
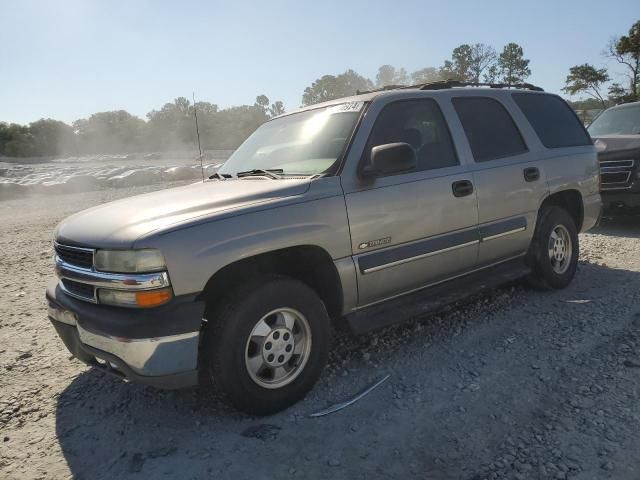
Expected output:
{"points": [[459, 67], [626, 51], [330, 87], [45, 137], [586, 79], [483, 63], [470, 63], [588, 104], [618, 94], [426, 75], [262, 103], [114, 132], [172, 127], [388, 75], [277, 108], [512, 67]]}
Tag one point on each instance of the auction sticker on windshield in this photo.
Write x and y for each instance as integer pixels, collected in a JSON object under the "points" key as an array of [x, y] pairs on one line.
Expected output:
{"points": [[346, 107]]}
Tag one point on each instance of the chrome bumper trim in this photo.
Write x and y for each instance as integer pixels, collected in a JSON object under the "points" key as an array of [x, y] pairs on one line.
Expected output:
{"points": [[149, 356], [117, 281], [64, 316]]}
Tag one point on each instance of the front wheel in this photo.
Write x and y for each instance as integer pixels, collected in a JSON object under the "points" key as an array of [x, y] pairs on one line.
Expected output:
{"points": [[268, 344], [554, 250]]}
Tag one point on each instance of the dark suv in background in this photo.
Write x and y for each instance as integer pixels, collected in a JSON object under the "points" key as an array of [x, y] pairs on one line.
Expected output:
{"points": [[616, 133]]}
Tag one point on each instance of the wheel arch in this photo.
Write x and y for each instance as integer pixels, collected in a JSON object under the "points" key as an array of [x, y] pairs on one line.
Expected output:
{"points": [[570, 200], [309, 264]]}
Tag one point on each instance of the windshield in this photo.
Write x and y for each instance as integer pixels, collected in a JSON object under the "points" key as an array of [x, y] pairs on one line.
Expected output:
{"points": [[617, 121], [305, 143]]}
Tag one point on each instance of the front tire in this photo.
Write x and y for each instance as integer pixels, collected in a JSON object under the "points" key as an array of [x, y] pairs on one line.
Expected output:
{"points": [[267, 345], [554, 250]]}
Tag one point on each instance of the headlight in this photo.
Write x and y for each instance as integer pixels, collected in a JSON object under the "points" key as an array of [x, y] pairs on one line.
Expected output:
{"points": [[129, 261], [142, 298]]}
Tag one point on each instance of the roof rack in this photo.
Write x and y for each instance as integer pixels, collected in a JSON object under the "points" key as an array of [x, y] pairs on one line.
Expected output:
{"points": [[444, 84], [388, 87], [456, 83]]}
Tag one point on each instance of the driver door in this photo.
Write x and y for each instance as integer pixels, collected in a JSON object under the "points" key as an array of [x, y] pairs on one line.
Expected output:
{"points": [[416, 228]]}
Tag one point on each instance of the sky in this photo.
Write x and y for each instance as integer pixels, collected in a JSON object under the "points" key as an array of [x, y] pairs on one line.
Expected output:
{"points": [[67, 59]]}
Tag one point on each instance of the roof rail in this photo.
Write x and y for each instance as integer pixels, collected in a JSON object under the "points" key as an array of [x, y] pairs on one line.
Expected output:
{"points": [[387, 87], [444, 84]]}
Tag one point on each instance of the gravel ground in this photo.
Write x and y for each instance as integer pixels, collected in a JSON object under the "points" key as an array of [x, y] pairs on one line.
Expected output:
{"points": [[518, 384]]}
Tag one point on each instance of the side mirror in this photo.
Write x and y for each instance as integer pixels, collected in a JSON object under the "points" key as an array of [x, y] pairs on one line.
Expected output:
{"points": [[389, 159]]}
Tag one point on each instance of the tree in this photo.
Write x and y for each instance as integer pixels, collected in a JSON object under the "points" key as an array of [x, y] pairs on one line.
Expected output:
{"points": [[330, 87], [512, 67], [587, 104], [52, 137], [626, 51], [471, 63], [277, 108], [262, 102], [618, 94], [230, 127], [109, 132], [586, 79], [483, 61], [388, 75], [459, 67], [16, 140], [425, 75]]}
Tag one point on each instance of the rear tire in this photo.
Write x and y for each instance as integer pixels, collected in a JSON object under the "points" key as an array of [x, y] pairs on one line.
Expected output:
{"points": [[267, 344], [553, 254]]}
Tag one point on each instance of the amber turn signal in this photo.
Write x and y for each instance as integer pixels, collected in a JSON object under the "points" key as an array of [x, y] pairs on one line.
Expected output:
{"points": [[153, 298]]}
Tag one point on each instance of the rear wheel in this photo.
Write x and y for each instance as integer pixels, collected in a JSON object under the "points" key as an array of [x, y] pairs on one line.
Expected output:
{"points": [[554, 250], [267, 345]]}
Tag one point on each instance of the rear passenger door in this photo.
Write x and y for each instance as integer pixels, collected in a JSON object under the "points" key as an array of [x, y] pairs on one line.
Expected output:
{"points": [[509, 177]]}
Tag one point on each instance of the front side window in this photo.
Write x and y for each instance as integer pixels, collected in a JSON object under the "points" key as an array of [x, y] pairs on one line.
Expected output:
{"points": [[491, 131], [419, 123], [305, 143], [617, 121], [552, 119]]}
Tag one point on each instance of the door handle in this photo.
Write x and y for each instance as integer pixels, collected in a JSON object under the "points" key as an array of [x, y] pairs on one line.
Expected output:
{"points": [[462, 188], [531, 174]]}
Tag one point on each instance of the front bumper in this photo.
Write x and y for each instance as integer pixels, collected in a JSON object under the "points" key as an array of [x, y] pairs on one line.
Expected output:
{"points": [[157, 346], [617, 199]]}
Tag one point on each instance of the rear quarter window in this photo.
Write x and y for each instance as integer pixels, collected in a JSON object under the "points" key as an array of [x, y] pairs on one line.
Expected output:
{"points": [[554, 121]]}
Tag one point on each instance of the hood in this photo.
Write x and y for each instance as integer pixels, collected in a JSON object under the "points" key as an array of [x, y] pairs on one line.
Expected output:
{"points": [[118, 224], [607, 145]]}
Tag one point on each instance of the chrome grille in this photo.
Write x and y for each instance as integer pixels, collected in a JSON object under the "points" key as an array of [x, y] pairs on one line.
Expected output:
{"points": [[616, 174], [80, 257], [77, 289]]}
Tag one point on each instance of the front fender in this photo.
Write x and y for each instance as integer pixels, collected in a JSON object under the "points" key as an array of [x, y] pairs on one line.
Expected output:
{"points": [[194, 253]]}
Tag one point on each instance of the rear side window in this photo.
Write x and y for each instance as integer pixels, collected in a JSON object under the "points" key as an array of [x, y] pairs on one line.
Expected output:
{"points": [[553, 120], [491, 131]]}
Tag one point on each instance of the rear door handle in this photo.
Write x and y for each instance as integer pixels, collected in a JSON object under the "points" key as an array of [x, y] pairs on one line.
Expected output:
{"points": [[462, 188], [531, 174]]}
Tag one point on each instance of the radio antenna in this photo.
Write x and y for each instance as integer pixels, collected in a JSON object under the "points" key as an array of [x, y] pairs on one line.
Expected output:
{"points": [[195, 114]]}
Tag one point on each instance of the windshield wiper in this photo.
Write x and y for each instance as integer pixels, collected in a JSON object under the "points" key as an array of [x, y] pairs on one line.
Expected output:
{"points": [[219, 176], [273, 173]]}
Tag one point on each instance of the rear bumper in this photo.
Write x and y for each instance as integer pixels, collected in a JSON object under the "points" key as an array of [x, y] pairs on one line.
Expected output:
{"points": [[98, 335]]}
